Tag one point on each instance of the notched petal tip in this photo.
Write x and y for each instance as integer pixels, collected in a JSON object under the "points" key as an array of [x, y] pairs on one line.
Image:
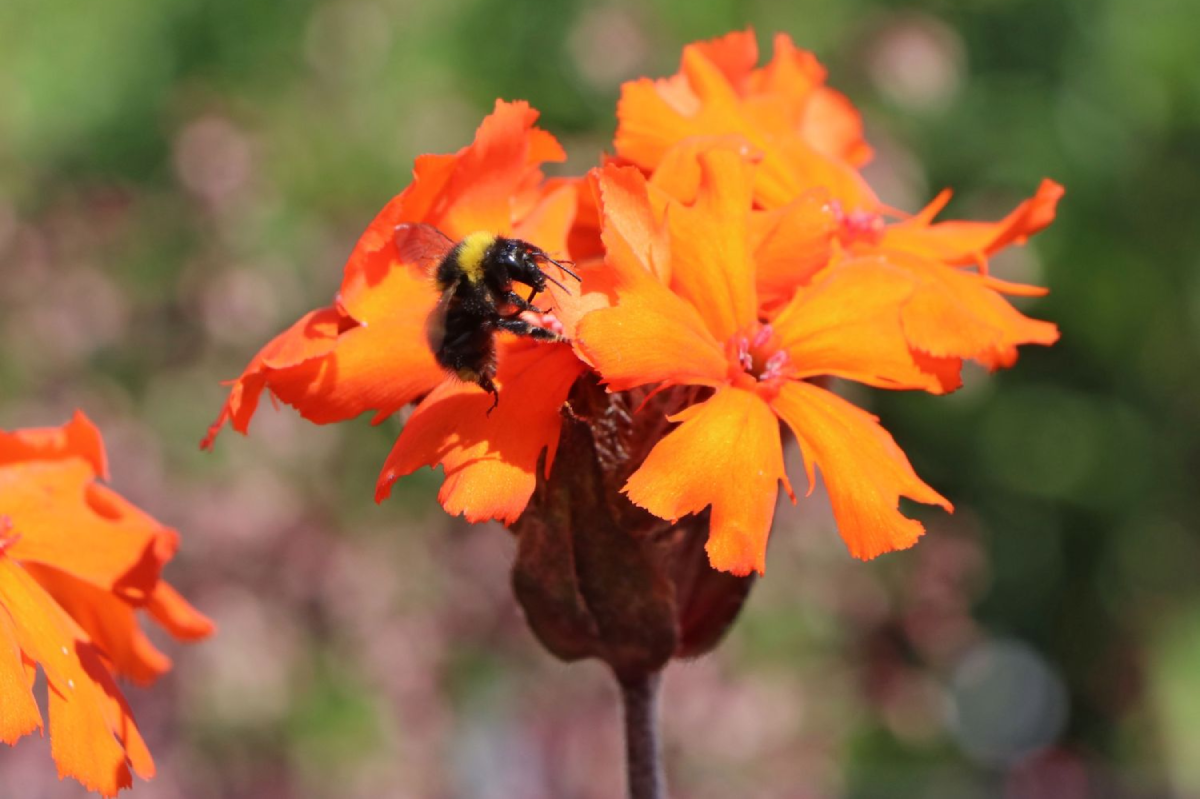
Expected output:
{"points": [[78, 438], [865, 472], [726, 453], [736, 551], [489, 459]]}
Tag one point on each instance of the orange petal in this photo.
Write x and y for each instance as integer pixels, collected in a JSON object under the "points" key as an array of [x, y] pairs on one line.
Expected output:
{"points": [[865, 472], [380, 365], [93, 737], [64, 520], [954, 314], [474, 189], [596, 289], [78, 438], [847, 324], [735, 54], [1014, 289], [650, 123], [493, 184], [626, 210], [972, 242], [948, 371], [711, 265], [176, 614], [331, 367], [795, 166], [651, 336], [807, 137], [490, 460], [494, 170], [679, 174], [834, 127], [583, 240], [791, 245], [701, 100], [312, 337], [789, 78], [21, 715], [379, 368], [726, 453], [548, 225], [824, 118], [109, 622]]}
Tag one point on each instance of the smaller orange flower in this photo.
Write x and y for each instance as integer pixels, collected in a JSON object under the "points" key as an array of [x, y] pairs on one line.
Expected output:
{"points": [[369, 350], [807, 134], [686, 313], [815, 209], [958, 312], [77, 562]]}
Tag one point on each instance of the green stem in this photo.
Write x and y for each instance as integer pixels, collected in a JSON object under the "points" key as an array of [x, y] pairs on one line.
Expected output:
{"points": [[643, 756]]}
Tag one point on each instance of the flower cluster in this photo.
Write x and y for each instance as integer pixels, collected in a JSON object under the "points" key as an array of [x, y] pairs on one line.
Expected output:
{"points": [[77, 563], [733, 258]]}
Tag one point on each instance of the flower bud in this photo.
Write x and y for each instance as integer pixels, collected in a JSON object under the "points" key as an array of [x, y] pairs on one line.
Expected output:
{"points": [[596, 575]]}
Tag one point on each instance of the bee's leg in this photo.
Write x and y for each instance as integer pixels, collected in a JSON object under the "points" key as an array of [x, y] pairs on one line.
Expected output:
{"points": [[523, 328], [485, 382], [513, 298]]}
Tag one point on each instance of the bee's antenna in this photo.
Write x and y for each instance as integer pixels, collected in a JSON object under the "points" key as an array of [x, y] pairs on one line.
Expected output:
{"points": [[560, 285], [560, 265]]}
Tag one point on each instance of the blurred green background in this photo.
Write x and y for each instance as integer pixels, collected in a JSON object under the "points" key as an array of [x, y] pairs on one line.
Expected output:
{"points": [[181, 180]]}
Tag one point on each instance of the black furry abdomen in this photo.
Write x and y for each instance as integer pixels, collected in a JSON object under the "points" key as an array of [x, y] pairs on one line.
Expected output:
{"points": [[466, 341]]}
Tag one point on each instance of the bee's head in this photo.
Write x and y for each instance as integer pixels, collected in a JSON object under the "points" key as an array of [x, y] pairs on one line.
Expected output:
{"points": [[520, 260], [524, 263]]}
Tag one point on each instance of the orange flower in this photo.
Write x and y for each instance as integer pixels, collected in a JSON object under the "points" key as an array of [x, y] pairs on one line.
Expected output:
{"points": [[808, 135], [76, 563], [815, 204], [958, 312], [686, 313], [955, 312], [368, 351]]}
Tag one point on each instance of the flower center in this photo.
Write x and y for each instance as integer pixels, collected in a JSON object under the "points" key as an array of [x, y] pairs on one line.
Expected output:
{"points": [[756, 360], [858, 225]]}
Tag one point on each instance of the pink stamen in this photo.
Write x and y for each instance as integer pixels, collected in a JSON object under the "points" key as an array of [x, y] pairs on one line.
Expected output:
{"points": [[7, 540], [743, 353], [756, 357], [858, 225], [775, 366], [553, 324]]}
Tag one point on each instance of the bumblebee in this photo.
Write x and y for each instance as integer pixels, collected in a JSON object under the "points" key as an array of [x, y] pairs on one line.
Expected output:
{"points": [[476, 278]]}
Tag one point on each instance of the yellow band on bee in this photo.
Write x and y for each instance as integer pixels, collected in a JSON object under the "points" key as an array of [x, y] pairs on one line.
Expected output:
{"points": [[471, 252]]}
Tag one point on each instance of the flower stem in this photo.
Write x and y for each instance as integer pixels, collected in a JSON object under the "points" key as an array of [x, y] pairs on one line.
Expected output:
{"points": [[643, 757]]}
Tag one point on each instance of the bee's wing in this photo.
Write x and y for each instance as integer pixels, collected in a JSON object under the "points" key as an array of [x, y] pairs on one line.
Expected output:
{"points": [[421, 245], [435, 325]]}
